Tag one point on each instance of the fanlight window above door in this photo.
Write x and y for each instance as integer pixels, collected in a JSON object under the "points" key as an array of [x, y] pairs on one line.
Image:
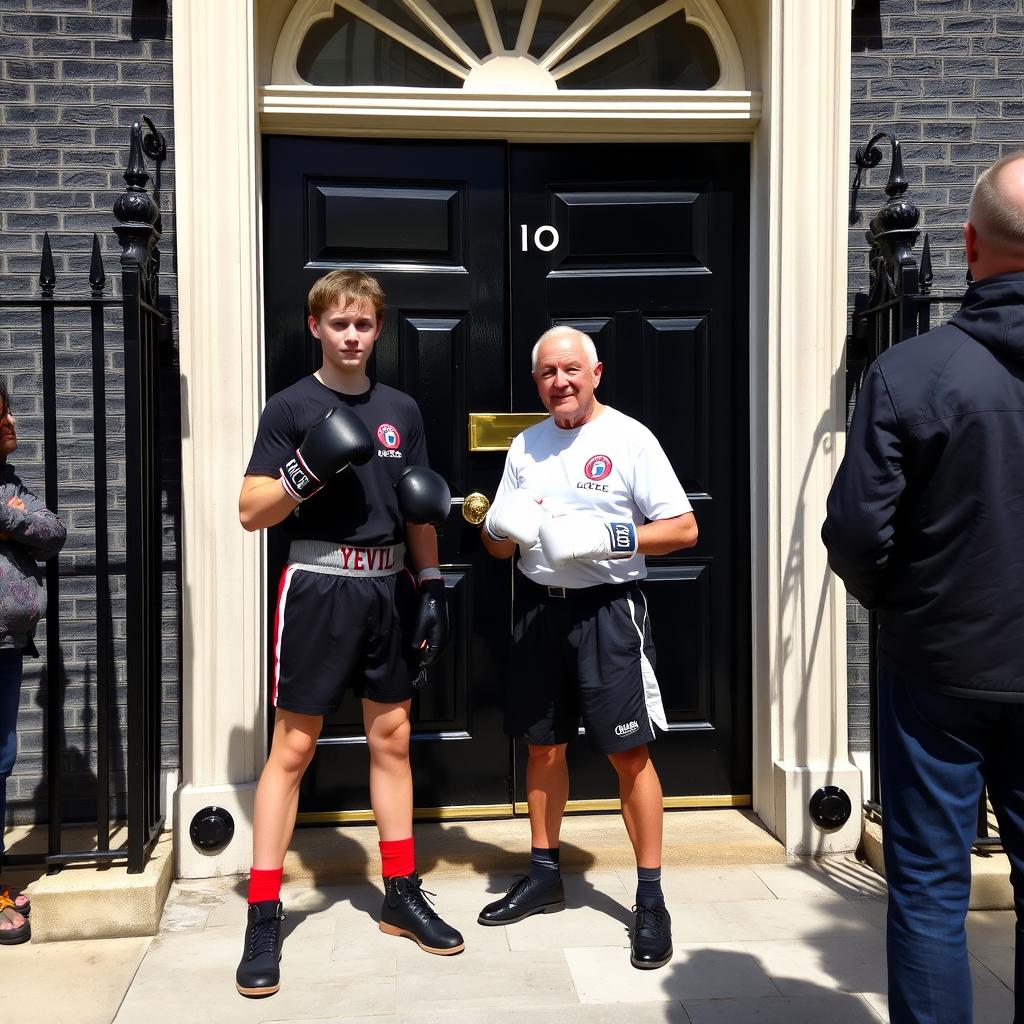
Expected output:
{"points": [[516, 46]]}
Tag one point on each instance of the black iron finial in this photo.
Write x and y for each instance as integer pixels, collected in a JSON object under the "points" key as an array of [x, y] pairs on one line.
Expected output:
{"points": [[135, 208], [897, 183], [97, 276], [47, 275], [870, 156], [893, 230], [136, 174]]}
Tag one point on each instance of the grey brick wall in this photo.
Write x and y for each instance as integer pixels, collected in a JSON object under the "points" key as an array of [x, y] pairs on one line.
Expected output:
{"points": [[947, 76], [74, 75]]}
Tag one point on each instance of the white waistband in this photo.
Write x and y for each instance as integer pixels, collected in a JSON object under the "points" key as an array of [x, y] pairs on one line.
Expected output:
{"points": [[343, 560]]}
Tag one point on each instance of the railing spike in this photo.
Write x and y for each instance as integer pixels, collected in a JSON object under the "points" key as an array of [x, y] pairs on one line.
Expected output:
{"points": [[97, 276], [925, 275], [47, 275]]}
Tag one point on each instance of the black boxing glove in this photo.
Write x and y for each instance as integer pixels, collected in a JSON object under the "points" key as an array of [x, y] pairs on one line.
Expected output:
{"points": [[338, 440], [423, 496], [430, 631]]}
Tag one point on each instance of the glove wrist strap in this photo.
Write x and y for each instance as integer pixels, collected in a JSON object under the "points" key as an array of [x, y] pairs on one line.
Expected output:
{"points": [[298, 479], [494, 536]]}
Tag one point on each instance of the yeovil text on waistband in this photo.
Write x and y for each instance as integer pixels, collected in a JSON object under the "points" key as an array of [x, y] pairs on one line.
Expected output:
{"points": [[344, 560]]}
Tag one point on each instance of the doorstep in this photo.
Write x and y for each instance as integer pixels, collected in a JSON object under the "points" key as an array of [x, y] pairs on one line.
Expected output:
{"points": [[87, 902], [990, 870], [589, 842]]}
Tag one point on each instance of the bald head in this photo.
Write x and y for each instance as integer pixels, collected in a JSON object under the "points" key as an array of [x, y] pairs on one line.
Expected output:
{"points": [[565, 333], [994, 233]]}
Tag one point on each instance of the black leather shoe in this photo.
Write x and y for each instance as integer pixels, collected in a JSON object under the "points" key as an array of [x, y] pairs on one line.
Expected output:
{"points": [[651, 944], [525, 896], [259, 973], [407, 912]]}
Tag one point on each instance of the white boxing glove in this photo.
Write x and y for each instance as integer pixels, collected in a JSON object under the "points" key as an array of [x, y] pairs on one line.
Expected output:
{"points": [[516, 517], [577, 536]]}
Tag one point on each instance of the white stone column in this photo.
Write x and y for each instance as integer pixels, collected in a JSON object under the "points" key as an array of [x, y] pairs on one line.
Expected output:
{"points": [[800, 722], [223, 700]]}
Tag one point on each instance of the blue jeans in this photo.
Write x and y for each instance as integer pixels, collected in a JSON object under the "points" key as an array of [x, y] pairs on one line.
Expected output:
{"points": [[10, 696], [936, 754]]}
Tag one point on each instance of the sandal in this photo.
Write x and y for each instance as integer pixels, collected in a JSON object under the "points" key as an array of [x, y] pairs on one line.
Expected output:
{"points": [[17, 934], [22, 904]]}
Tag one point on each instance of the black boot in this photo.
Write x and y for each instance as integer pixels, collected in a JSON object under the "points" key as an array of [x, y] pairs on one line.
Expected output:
{"points": [[258, 972], [651, 944], [407, 912]]}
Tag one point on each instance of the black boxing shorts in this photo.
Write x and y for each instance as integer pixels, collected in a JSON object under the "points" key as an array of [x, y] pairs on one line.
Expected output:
{"points": [[582, 654], [344, 619]]}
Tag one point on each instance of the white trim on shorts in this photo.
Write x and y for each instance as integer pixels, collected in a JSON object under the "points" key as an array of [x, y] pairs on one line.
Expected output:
{"points": [[652, 692], [282, 600]]}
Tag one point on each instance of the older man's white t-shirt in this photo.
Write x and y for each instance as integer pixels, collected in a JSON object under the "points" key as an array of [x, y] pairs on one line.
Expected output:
{"points": [[612, 467]]}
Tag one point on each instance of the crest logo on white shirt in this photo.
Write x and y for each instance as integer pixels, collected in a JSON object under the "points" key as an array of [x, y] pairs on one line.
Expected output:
{"points": [[598, 467]]}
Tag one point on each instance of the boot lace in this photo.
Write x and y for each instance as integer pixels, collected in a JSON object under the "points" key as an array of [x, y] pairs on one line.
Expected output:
{"points": [[518, 885], [263, 937], [650, 920], [416, 899]]}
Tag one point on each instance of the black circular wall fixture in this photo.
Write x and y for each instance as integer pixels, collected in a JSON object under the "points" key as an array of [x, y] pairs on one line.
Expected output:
{"points": [[830, 808], [211, 829]]}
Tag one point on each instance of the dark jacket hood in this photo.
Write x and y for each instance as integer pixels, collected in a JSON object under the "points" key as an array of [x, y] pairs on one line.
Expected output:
{"points": [[993, 314]]}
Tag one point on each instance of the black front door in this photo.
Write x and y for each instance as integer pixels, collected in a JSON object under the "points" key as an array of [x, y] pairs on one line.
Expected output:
{"points": [[480, 247]]}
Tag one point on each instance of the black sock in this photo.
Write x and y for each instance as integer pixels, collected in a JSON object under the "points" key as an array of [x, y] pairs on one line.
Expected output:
{"points": [[648, 887], [544, 865]]}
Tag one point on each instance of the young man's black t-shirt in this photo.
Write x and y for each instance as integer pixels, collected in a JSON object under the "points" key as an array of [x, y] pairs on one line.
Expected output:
{"points": [[358, 506]]}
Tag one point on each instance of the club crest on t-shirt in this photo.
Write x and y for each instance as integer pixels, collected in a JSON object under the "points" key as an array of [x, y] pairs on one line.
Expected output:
{"points": [[598, 467], [388, 435]]}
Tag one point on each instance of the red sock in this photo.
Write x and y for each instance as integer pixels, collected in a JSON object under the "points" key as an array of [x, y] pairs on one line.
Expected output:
{"points": [[397, 857], [264, 884]]}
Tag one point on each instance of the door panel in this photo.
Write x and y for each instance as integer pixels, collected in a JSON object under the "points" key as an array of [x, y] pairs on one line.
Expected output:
{"points": [[650, 262], [429, 222]]}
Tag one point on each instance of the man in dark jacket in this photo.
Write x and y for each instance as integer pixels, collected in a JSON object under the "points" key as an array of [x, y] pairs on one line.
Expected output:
{"points": [[925, 525]]}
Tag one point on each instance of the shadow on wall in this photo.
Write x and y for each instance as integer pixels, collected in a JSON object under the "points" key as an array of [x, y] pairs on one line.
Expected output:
{"points": [[802, 614], [866, 26], [150, 19]]}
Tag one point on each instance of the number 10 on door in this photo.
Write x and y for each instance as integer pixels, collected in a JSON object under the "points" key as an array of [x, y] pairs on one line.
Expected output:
{"points": [[545, 238]]}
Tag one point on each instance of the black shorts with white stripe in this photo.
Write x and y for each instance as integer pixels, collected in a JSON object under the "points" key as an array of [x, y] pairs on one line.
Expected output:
{"points": [[584, 654], [333, 632]]}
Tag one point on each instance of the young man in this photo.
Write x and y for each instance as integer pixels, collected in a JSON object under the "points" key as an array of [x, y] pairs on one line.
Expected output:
{"points": [[585, 495], [341, 461]]}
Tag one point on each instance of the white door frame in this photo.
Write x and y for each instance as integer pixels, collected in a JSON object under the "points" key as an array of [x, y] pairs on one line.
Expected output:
{"points": [[799, 50]]}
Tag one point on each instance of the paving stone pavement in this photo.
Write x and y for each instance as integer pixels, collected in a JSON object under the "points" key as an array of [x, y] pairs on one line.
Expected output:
{"points": [[759, 944]]}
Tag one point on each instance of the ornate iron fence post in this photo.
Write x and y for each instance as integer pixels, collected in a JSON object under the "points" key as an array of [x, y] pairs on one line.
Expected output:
{"points": [[137, 231]]}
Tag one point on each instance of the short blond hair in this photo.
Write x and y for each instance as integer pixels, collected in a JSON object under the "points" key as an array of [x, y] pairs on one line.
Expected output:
{"points": [[993, 214], [343, 288]]}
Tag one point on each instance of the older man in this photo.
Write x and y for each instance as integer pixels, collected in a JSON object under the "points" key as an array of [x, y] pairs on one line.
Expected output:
{"points": [[585, 495], [926, 525]]}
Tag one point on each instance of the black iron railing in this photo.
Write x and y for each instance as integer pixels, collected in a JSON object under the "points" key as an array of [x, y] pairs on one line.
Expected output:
{"points": [[144, 327], [896, 306]]}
